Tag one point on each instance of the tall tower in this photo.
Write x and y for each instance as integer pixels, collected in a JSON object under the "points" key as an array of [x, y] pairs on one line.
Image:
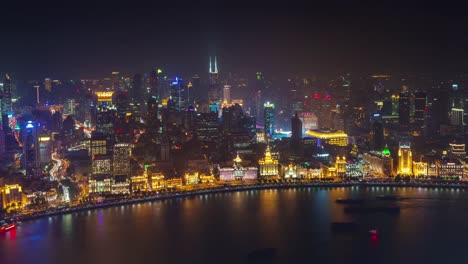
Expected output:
{"points": [[269, 119], [214, 88], [404, 107], [6, 102]]}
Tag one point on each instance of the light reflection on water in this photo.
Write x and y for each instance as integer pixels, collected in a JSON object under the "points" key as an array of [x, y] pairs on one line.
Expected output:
{"points": [[207, 227]]}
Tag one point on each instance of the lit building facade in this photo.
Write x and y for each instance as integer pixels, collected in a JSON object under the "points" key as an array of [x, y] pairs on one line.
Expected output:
{"points": [[191, 178], [45, 149], [157, 181], [457, 151], [101, 164], [139, 183], [405, 160], [12, 197], [238, 172], [337, 138], [268, 165], [269, 119], [121, 164], [100, 184], [420, 169], [340, 165], [379, 163], [450, 169]]}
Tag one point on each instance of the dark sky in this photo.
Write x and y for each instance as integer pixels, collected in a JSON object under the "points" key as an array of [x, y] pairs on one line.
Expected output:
{"points": [[62, 42]]}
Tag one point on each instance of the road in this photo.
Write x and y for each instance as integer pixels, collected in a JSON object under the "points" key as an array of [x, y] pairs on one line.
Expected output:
{"points": [[60, 167]]}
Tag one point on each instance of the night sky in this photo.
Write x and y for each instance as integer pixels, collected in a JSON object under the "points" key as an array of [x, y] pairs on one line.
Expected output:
{"points": [[61, 42]]}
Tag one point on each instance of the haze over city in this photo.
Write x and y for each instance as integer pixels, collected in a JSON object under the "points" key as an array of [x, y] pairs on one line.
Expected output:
{"points": [[206, 133]]}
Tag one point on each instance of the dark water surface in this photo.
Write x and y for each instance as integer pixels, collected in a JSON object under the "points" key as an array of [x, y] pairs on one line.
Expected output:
{"points": [[224, 228]]}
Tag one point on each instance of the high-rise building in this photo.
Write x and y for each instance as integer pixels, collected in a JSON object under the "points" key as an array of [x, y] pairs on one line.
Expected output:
{"points": [[6, 102], [419, 109], [153, 84], [45, 149], [177, 98], [207, 126], [296, 129], [405, 159], [105, 115], [377, 135], [227, 94], [404, 108], [121, 164], [70, 107], [269, 118], [30, 157], [214, 88], [456, 117]]}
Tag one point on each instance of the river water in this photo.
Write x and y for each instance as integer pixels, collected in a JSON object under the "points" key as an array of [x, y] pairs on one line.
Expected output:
{"points": [[225, 227]]}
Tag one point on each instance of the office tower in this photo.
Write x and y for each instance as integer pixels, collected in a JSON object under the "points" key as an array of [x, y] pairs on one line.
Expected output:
{"points": [[30, 156], [105, 116], [456, 117], [6, 103], [214, 89], [419, 108], [207, 126], [177, 99], [197, 93], [405, 159], [121, 105], [296, 129], [309, 121], [121, 164], [45, 149], [97, 144], [153, 84], [231, 119], [377, 135], [116, 81], [137, 93], [269, 119], [227, 94], [404, 107], [70, 107]]}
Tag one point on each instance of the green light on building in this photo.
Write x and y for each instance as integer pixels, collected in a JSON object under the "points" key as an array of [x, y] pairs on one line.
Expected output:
{"points": [[386, 151]]}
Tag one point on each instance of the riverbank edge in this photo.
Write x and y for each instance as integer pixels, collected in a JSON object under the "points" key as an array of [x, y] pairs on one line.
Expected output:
{"points": [[160, 197]]}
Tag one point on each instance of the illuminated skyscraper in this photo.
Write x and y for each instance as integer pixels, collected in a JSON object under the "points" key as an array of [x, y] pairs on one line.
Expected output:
{"points": [[214, 88], [405, 159], [227, 94], [45, 149], [419, 110], [121, 164], [105, 115], [6, 102], [30, 157], [269, 118], [177, 99], [153, 84], [296, 128], [404, 107]]}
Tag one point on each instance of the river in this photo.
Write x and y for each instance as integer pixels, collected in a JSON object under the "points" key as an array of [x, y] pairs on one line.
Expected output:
{"points": [[225, 227]]}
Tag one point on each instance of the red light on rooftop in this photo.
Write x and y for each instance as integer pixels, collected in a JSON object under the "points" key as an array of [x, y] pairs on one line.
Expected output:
{"points": [[426, 110], [316, 96], [327, 97]]}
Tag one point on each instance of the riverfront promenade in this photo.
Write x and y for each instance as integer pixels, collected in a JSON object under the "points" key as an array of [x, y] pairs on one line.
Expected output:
{"points": [[221, 189]]}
